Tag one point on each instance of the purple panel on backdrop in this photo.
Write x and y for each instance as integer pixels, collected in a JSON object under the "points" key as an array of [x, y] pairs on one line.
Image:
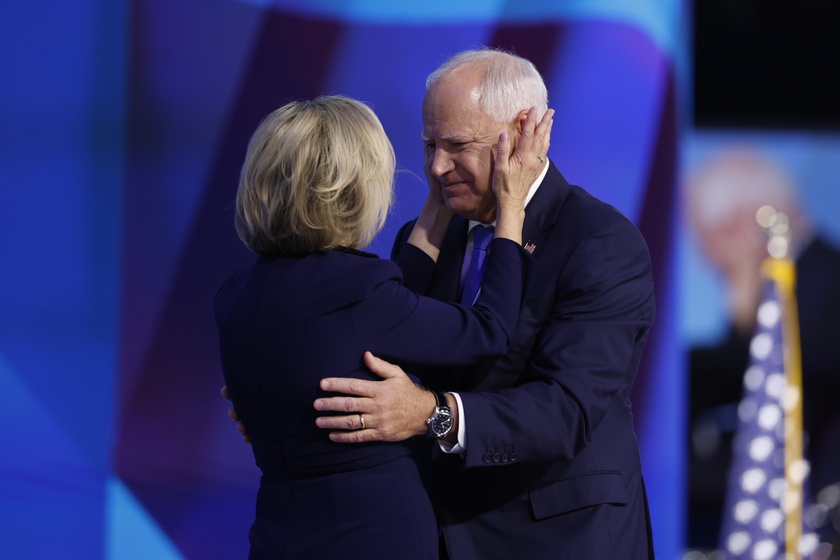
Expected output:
{"points": [[657, 395], [535, 42], [607, 88], [181, 82], [658, 223]]}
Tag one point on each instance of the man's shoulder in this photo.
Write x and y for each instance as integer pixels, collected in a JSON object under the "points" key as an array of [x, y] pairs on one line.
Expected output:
{"points": [[585, 211], [560, 203]]}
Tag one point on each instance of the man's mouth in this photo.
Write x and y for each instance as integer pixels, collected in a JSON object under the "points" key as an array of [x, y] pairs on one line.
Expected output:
{"points": [[452, 186]]}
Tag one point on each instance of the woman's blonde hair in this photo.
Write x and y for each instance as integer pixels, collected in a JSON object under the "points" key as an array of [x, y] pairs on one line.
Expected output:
{"points": [[318, 174]]}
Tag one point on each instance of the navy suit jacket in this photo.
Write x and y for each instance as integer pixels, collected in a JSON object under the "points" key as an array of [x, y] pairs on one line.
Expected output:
{"points": [[551, 469]]}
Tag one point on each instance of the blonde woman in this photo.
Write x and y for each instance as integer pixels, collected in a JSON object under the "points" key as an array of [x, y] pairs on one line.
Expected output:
{"points": [[316, 186]]}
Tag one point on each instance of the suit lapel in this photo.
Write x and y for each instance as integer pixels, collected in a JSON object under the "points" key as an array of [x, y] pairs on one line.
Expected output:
{"points": [[543, 210]]}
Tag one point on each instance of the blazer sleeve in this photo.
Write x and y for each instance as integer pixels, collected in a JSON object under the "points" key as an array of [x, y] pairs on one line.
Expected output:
{"points": [[395, 323], [416, 266], [584, 356]]}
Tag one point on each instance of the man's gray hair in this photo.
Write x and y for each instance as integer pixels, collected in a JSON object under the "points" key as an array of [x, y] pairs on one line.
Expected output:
{"points": [[509, 84]]}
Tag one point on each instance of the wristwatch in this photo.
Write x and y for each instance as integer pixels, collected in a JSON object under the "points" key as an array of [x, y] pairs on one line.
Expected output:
{"points": [[441, 421]]}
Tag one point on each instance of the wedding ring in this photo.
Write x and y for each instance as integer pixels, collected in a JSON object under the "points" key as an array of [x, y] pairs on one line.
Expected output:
{"points": [[362, 422], [542, 159]]}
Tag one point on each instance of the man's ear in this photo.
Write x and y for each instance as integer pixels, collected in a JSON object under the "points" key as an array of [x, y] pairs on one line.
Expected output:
{"points": [[516, 126], [519, 121]]}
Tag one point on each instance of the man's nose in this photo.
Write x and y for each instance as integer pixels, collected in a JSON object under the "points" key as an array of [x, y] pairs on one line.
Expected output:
{"points": [[441, 163]]}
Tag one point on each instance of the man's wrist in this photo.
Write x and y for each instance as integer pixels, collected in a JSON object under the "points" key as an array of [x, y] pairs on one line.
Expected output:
{"points": [[440, 421], [452, 437], [425, 411]]}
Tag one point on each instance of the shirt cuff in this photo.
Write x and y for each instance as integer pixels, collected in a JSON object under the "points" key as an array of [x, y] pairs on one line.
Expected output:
{"points": [[460, 447]]}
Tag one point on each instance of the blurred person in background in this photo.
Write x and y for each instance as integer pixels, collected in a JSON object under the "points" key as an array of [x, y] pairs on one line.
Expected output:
{"points": [[723, 196]]}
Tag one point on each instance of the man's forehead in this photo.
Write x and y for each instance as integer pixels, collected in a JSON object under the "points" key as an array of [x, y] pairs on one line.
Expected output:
{"points": [[459, 127]]}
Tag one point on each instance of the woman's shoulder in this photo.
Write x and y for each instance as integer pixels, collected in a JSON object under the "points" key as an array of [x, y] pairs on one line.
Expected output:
{"points": [[350, 268], [367, 267]]}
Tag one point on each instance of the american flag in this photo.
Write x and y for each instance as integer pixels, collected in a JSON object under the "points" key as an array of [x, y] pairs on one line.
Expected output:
{"points": [[530, 247], [765, 498]]}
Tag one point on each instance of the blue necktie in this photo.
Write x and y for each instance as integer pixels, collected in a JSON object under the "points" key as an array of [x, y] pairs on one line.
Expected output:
{"points": [[481, 241]]}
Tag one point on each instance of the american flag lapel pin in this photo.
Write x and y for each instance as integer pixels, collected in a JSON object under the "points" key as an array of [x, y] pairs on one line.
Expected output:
{"points": [[530, 247]]}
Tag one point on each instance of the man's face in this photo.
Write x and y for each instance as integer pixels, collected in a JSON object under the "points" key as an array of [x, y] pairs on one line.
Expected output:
{"points": [[460, 144]]}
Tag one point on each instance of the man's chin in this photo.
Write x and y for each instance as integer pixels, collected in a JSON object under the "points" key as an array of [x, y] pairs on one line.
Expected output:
{"points": [[456, 206], [472, 214], [468, 210]]}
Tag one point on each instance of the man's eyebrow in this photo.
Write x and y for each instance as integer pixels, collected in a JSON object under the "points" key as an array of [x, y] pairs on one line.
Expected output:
{"points": [[453, 138]]}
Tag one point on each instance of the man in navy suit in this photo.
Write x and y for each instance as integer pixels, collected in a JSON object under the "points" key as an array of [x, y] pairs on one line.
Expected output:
{"points": [[542, 461]]}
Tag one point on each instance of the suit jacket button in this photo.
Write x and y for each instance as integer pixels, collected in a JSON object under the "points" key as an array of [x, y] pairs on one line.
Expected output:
{"points": [[504, 457], [497, 457], [487, 457], [513, 457]]}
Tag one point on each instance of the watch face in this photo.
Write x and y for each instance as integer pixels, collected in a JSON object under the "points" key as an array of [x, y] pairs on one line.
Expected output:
{"points": [[441, 423]]}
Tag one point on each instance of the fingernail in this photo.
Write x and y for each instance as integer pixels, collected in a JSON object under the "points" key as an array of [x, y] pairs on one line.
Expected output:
{"points": [[319, 404], [325, 384], [320, 422]]}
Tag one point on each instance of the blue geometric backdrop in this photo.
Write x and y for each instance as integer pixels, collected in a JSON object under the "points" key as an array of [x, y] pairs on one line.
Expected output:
{"points": [[123, 128]]}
